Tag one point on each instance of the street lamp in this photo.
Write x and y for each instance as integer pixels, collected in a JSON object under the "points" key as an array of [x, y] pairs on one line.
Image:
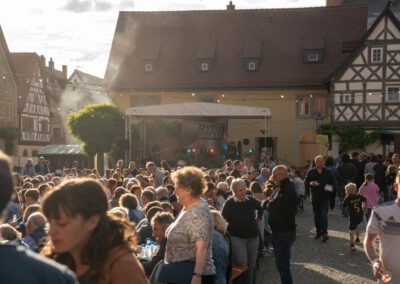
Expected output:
{"points": [[319, 120]]}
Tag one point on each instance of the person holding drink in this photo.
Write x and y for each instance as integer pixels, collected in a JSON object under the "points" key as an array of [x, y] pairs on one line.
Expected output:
{"points": [[319, 182], [384, 224]]}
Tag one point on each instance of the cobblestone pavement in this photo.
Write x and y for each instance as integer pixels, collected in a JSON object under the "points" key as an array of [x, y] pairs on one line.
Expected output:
{"points": [[316, 262]]}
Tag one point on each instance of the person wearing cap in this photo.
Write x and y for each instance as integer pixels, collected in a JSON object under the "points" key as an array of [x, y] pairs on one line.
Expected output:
{"points": [[37, 269]]}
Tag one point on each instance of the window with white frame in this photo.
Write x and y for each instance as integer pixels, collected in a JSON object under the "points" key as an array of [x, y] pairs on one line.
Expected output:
{"points": [[393, 94], [313, 57], [204, 66], [149, 67], [252, 66], [346, 98], [304, 106], [376, 54]]}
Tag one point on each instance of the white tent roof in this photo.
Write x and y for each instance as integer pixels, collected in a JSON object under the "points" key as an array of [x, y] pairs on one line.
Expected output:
{"points": [[199, 109]]}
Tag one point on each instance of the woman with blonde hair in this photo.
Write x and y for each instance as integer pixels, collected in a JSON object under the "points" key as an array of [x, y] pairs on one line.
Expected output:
{"points": [[189, 237]]}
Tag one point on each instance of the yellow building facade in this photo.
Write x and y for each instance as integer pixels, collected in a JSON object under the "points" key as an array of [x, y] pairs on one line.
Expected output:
{"points": [[295, 135]]}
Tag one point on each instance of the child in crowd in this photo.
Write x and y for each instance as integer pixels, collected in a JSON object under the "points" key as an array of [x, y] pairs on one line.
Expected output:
{"points": [[300, 188], [370, 191], [354, 203]]}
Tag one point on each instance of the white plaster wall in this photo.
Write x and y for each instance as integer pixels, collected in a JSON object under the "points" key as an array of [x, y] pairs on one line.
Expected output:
{"points": [[340, 87], [374, 85], [355, 86], [374, 98]]}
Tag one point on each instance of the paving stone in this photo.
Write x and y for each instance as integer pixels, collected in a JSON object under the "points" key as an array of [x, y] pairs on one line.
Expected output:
{"points": [[316, 262]]}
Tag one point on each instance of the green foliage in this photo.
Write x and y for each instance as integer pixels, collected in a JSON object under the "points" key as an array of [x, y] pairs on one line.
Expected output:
{"points": [[350, 137], [97, 126], [9, 134]]}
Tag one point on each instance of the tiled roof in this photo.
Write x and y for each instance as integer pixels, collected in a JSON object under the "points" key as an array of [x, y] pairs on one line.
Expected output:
{"points": [[86, 78], [176, 38], [25, 65]]}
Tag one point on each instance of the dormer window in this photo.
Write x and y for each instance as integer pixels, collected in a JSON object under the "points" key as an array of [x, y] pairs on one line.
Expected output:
{"points": [[148, 67], [313, 56], [205, 65], [252, 64]]}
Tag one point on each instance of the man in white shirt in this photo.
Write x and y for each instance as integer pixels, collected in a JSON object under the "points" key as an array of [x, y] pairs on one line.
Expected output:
{"points": [[385, 224]]}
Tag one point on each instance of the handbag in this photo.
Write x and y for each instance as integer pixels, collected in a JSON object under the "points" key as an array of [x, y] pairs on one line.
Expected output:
{"points": [[178, 272]]}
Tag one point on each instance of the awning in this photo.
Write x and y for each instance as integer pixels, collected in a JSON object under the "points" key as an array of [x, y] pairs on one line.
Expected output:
{"points": [[57, 150], [389, 132], [199, 109]]}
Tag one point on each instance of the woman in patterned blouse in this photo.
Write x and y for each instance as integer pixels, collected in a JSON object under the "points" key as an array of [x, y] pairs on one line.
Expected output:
{"points": [[189, 238]]}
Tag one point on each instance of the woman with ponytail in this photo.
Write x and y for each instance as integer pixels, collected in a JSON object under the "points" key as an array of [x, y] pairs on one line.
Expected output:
{"points": [[98, 247]]}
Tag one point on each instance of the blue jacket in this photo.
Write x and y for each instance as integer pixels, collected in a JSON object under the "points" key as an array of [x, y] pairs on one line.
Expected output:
{"points": [[22, 266]]}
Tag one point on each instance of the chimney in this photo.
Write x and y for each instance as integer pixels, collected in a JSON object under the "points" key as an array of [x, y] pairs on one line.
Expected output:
{"points": [[51, 64], [65, 71], [331, 3], [230, 7], [43, 60]]}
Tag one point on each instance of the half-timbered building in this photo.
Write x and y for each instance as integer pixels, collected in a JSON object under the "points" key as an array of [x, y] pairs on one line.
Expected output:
{"points": [[33, 111], [366, 88]]}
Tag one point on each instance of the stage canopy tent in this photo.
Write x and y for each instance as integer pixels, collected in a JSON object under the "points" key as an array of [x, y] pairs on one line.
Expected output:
{"points": [[56, 150], [190, 111], [199, 109]]}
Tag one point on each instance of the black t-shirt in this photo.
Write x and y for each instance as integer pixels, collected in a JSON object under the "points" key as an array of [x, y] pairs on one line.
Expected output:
{"points": [[241, 217], [354, 204]]}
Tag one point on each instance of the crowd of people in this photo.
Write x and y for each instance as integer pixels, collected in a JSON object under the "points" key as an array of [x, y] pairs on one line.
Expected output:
{"points": [[160, 224]]}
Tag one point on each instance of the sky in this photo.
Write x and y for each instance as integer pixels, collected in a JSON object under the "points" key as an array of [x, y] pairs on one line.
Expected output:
{"points": [[79, 33]]}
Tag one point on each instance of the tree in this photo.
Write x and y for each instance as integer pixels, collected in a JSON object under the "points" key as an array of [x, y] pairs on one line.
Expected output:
{"points": [[350, 137], [98, 126], [9, 134]]}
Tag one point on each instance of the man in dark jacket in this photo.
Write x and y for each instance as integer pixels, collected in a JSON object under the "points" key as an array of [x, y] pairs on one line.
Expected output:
{"points": [[319, 181], [345, 173], [355, 160], [282, 212], [41, 167]]}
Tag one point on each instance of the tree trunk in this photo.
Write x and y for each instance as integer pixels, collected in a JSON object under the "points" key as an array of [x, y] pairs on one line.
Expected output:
{"points": [[100, 163], [91, 161]]}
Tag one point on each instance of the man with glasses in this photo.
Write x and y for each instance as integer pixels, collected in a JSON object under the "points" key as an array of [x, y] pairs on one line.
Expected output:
{"points": [[385, 225], [282, 212]]}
